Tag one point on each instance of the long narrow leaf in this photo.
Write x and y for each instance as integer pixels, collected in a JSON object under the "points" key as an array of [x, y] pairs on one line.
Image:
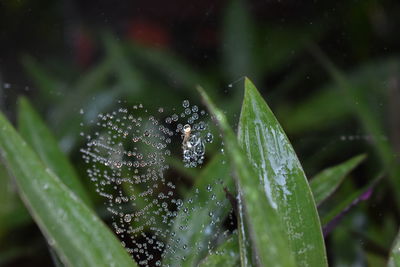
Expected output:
{"points": [[327, 181], [333, 216], [39, 137], [269, 240], [369, 119], [75, 232], [281, 177]]}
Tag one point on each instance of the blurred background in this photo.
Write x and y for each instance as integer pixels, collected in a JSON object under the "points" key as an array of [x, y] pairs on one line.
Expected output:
{"points": [[329, 70]]}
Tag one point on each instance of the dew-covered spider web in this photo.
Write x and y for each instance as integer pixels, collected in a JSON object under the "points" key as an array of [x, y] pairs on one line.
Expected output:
{"points": [[128, 154]]}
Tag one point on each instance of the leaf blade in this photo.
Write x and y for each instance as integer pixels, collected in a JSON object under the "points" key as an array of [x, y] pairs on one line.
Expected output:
{"points": [[285, 184], [267, 235], [327, 181], [68, 224], [39, 137]]}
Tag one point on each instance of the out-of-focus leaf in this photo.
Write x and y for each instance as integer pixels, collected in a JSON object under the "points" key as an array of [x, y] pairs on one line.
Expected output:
{"points": [[394, 260], [237, 45], [279, 46], [128, 76], [227, 254], [319, 110], [47, 85], [39, 137], [269, 240], [327, 181], [334, 215], [369, 118], [281, 177], [202, 213], [375, 260], [173, 68], [326, 107], [80, 96], [71, 228]]}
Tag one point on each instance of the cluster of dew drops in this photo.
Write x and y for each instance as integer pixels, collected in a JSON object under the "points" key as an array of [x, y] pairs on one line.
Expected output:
{"points": [[126, 154]]}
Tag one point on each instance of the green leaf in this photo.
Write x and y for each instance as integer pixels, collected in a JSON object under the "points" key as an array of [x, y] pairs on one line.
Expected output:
{"points": [[320, 110], [344, 205], [281, 177], [365, 113], [47, 85], [130, 80], [207, 198], [268, 238], [394, 260], [246, 255], [326, 107], [91, 86], [76, 233], [227, 254], [238, 36], [171, 67], [39, 137], [327, 181]]}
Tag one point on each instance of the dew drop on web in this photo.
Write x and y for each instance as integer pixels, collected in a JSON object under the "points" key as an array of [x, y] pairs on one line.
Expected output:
{"points": [[127, 155]]}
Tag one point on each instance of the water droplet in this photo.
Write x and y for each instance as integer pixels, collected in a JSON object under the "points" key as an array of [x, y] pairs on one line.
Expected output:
{"points": [[185, 103], [127, 218], [209, 138]]}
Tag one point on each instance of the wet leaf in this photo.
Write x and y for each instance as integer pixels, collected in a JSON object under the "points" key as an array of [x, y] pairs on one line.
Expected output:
{"points": [[39, 137], [281, 177], [268, 238], [327, 181], [70, 227]]}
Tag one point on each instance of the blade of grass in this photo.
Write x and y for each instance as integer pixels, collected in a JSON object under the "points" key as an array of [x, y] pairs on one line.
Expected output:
{"points": [[300, 118], [332, 217], [39, 137], [79, 96], [369, 119], [47, 85], [327, 181], [70, 227], [129, 78], [281, 177], [268, 238], [238, 33]]}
